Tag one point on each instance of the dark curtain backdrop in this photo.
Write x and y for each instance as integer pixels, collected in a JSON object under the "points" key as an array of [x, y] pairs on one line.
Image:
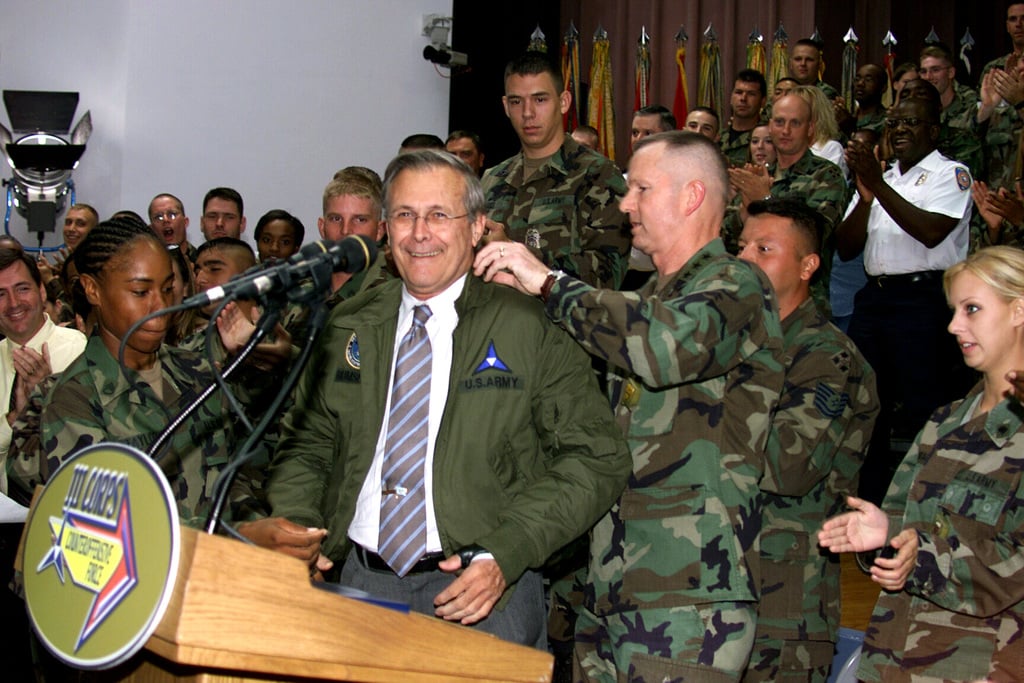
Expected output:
{"points": [[494, 33], [732, 20]]}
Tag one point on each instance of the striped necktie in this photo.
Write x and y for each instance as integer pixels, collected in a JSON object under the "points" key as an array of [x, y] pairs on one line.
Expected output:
{"points": [[403, 517]]}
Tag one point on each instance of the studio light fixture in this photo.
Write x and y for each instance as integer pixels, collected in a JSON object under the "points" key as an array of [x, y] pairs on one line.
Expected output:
{"points": [[42, 151]]}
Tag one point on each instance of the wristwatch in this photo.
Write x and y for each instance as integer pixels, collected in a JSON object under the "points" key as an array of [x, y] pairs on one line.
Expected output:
{"points": [[549, 282], [467, 554]]}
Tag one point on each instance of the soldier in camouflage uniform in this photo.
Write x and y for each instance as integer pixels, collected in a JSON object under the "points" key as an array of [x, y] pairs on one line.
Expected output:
{"points": [[797, 173], [958, 138], [556, 196], [951, 606], [351, 206], [815, 450], [94, 400], [1002, 95], [805, 66], [696, 358], [869, 85], [749, 93]]}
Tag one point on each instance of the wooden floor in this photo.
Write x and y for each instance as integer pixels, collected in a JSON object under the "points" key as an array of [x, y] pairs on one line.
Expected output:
{"points": [[858, 593]]}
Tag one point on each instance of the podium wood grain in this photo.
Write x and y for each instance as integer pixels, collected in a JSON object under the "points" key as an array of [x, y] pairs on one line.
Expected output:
{"points": [[243, 613], [857, 592]]}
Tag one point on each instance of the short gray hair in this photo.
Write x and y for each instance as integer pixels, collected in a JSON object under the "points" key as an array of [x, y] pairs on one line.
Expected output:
{"points": [[427, 160]]}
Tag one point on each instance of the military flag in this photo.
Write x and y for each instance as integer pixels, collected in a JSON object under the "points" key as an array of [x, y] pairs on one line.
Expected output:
{"points": [[850, 48], [889, 41], [966, 44], [643, 70], [756, 58], [538, 42], [600, 109], [779, 64], [820, 42], [681, 101], [571, 75], [709, 82]]}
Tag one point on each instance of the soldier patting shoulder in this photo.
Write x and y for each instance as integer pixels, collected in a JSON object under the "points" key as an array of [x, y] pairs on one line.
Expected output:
{"points": [[697, 364]]}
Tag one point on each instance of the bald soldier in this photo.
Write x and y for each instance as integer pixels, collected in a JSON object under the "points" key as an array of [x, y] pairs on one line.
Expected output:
{"points": [[696, 363], [797, 173]]}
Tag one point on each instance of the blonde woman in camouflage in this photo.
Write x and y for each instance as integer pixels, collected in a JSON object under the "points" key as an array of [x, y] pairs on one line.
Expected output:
{"points": [[951, 527]]}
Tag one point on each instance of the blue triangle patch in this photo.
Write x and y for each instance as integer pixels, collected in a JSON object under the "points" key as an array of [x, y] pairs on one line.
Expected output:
{"points": [[491, 361]]}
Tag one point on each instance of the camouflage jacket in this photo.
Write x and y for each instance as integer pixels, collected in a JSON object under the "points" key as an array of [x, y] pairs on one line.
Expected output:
{"points": [[959, 615], [821, 185], [568, 212], [830, 92], [696, 369], [1001, 133], [819, 434], [736, 145], [958, 136], [93, 401], [1009, 234], [875, 122]]}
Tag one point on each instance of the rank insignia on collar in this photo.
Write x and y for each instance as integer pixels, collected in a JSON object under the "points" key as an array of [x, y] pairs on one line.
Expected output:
{"points": [[922, 179], [352, 352], [491, 361]]}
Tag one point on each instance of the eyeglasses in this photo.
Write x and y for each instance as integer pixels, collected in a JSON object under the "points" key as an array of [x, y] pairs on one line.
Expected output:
{"points": [[909, 122], [166, 215], [434, 219]]}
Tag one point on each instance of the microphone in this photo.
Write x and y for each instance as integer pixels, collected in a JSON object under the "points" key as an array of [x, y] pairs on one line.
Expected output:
{"points": [[316, 260]]}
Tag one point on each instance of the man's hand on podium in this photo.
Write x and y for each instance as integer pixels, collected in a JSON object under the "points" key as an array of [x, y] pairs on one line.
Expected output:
{"points": [[277, 533]]}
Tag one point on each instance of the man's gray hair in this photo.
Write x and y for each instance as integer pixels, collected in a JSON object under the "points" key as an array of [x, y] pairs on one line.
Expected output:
{"points": [[696, 152], [427, 160]]}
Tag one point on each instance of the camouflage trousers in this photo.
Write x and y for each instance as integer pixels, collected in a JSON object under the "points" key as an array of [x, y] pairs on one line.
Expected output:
{"points": [[790, 661], [707, 642]]}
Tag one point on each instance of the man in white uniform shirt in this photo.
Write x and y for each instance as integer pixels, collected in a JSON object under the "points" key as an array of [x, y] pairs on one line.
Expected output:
{"points": [[912, 223], [33, 347]]}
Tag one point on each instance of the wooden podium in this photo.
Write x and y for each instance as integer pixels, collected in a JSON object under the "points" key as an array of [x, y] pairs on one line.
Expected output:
{"points": [[242, 613]]}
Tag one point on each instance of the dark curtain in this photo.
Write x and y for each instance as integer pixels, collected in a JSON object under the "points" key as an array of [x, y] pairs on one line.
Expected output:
{"points": [[734, 20], [494, 33]]}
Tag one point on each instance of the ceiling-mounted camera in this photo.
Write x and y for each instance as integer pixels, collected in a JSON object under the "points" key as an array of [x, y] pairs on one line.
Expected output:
{"points": [[439, 51]]}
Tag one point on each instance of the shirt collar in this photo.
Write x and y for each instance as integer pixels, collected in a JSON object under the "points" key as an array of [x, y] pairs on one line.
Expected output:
{"points": [[440, 303]]}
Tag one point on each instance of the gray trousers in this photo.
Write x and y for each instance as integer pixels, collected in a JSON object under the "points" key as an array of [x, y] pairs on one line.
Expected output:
{"points": [[523, 619]]}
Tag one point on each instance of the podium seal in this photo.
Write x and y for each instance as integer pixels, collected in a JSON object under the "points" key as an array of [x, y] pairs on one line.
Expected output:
{"points": [[100, 557]]}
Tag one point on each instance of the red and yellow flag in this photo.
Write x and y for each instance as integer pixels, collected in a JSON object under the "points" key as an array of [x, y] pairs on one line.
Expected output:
{"points": [[600, 110], [681, 102], [571, 75]]}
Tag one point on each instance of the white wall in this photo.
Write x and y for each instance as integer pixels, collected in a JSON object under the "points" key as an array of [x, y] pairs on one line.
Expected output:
{"points": [[270, 98]]}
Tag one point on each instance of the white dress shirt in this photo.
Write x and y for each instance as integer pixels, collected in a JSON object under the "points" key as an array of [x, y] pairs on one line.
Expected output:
{"points": [[936, 184], [64, 345], [365, 525]]}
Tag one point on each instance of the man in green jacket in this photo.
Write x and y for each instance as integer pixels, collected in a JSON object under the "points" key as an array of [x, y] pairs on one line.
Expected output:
{"points": [[521, 451]]}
